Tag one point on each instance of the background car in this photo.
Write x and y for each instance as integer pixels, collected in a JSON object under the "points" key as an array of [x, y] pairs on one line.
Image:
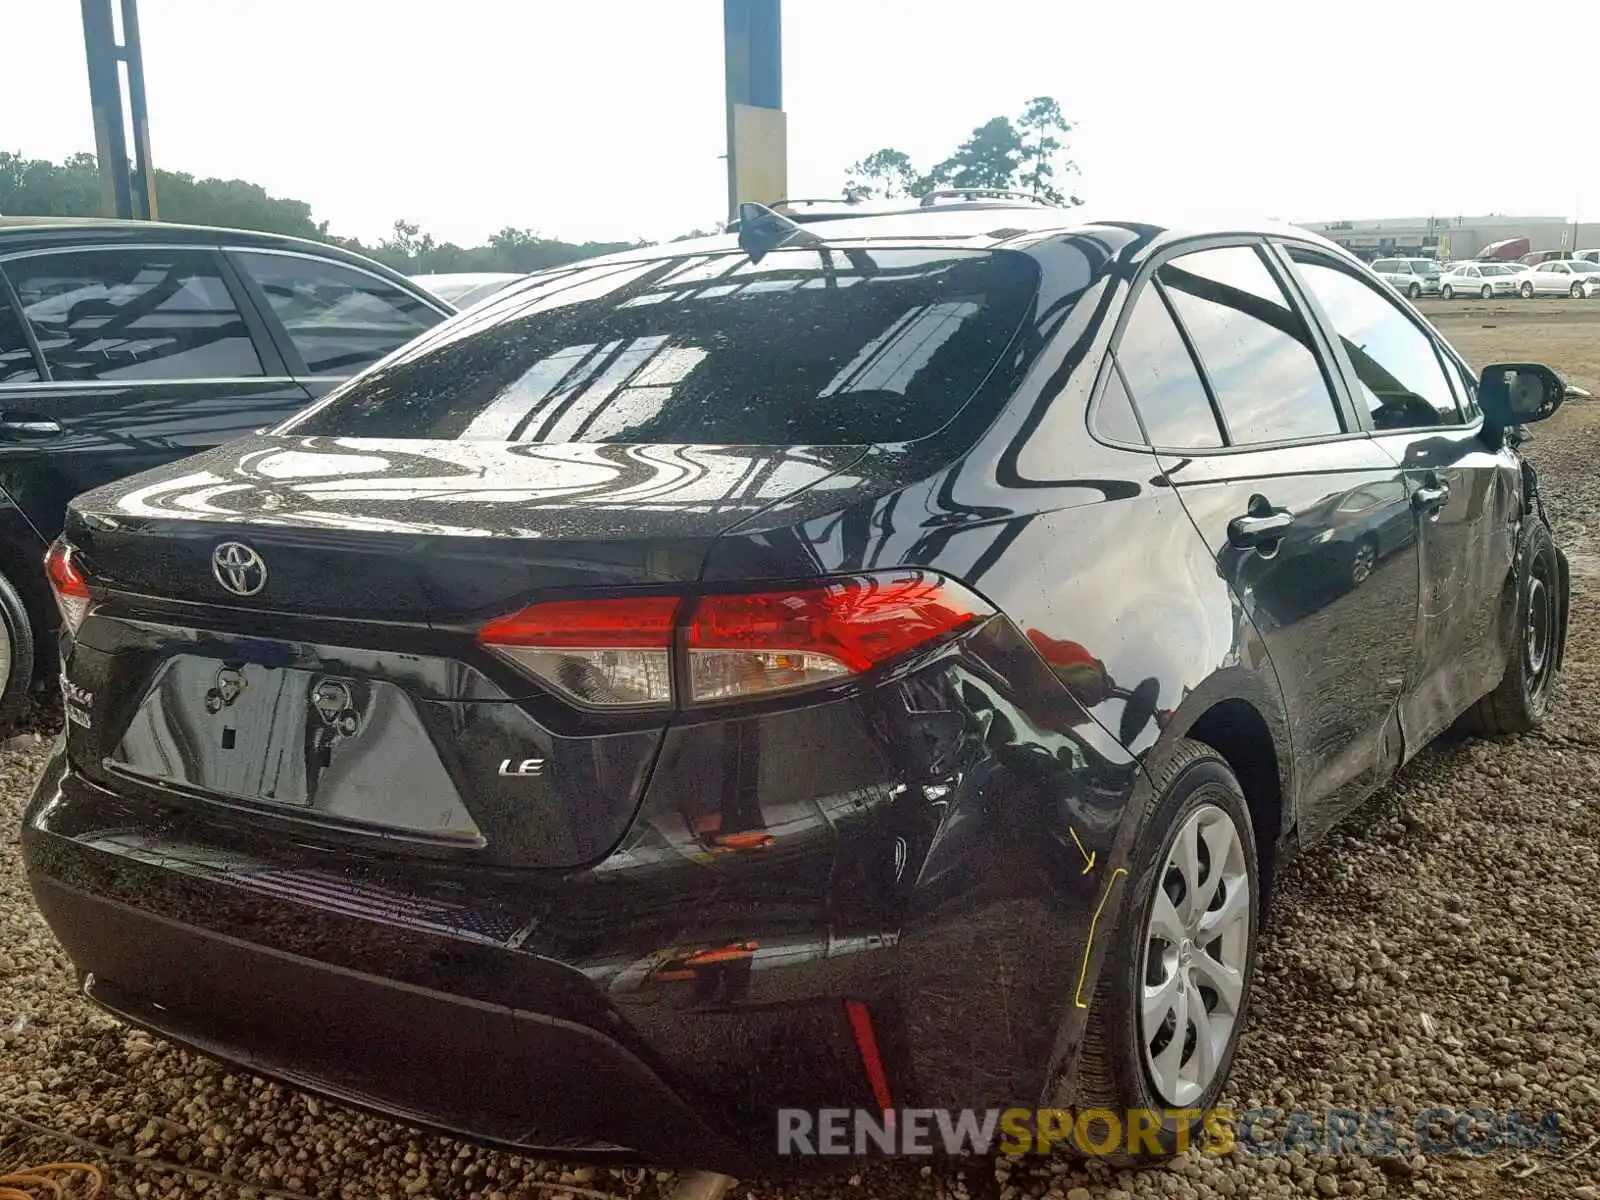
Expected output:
{"points": [[1413, 277], [125, 345], [1478, 279], [1561, 277], [1588, 255], [467, 288], [690, 678]]}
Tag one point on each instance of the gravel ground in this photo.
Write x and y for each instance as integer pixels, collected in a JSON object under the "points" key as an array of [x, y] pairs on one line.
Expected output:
{"points": [[1439, 949]]}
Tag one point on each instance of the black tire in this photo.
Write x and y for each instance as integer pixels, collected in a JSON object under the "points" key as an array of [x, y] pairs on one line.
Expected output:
{"points": [[16, 655], [1414, 291], [1111, 1069], [1486, 292], [1522, 700], [1447, 292], [1526, 291]]}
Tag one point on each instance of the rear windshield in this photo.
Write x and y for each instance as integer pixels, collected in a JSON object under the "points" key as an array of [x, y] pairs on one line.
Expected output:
{"points": [[804, 347]]}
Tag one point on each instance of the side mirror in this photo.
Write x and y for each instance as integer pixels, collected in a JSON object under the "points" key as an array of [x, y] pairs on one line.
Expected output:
{"points": [[1513, 394]]}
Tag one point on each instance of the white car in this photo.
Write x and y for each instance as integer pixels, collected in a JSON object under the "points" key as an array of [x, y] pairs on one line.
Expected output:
{"points": [[1560, 277], [466, 288], [1482, 279], [1411, 277]]}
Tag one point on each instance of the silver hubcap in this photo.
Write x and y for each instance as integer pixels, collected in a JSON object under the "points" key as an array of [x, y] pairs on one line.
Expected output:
{"points": [[1196, 945], [1538, 626], [1366, 557]]}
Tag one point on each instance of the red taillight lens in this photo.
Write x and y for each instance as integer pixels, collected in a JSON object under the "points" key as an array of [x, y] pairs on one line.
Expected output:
{"points": [[601, 653], [749, 644], [617, 653], [69, 585]]}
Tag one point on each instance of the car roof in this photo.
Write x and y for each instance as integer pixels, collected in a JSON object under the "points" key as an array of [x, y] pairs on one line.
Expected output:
{"points": [[41, 233], [998, 226], [118, 226]]}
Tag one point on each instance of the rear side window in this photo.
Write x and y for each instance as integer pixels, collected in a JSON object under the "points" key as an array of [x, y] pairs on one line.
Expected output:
{"points": [[1161, 374], [1254, 347], [805, 346], [1397, 368], [339, 319], [16, 356], [133, 314]]}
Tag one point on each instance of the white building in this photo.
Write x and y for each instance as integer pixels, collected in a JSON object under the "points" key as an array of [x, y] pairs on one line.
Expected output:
{"points": [[1454, 237]]}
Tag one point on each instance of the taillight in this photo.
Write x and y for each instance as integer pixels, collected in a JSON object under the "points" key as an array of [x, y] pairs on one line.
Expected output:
{"points": [[617, 653], [750, 644], [601, 653], [69, 585]]}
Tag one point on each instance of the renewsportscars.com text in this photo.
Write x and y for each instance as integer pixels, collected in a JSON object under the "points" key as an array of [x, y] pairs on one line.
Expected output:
{"points": [[1097, 1131]]}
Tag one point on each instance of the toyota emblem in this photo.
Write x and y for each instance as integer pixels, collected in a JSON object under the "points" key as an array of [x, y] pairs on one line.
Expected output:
{"points": [[238, 568]]}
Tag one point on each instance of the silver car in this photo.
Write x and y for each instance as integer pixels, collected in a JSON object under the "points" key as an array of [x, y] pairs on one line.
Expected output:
{"points": [[1412, 277], [1484, 280], [1561, 277]]}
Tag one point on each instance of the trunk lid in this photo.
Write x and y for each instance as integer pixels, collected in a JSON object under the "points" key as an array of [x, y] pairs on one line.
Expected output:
{"points": [[432, 533], [347, 691]]}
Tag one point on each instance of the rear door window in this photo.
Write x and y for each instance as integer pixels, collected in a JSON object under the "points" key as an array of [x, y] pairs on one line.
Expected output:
{"points": [[804, 347], [133, 314], [1253, 345], [1161, 375], [16, 356], [339, 319]]}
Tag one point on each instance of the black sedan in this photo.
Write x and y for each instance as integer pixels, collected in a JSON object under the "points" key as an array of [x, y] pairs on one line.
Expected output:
{"points": [[859, 665], [128, 344]]}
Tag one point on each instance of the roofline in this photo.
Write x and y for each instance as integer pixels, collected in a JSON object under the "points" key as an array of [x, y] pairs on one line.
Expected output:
{"points": [[160, 230]]}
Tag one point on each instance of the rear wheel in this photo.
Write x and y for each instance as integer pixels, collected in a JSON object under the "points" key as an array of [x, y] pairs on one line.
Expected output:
{"points": [[1521, 701], [1174, 988], [16, 655], [1486, 292], [1363, 561]]}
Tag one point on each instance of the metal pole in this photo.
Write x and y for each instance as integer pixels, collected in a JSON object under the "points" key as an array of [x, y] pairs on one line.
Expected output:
{"points": [[752, 68], [105, 98], [144, 175]]}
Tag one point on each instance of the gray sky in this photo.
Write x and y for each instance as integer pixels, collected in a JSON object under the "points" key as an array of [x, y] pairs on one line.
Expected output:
{"points": [[603, 118]]}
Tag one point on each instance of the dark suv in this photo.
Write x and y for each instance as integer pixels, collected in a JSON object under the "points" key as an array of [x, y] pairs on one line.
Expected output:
{"points": [[862, 664], [124, 345]]}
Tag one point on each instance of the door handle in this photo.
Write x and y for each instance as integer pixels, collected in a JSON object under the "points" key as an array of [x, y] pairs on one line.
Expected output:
{"points": [[22, 426], [1260, 527], [1430, 499]]}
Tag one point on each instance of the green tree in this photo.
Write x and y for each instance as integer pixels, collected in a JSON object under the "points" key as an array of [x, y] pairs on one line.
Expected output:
{"points": [[1039, 124], [987, 159], [886, 173], [1024, 156], [71, 188]]}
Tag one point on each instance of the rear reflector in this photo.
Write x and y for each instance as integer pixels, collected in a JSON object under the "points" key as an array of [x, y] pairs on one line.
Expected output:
{"points": [[69, 585], [599, 653], [617, 653]]}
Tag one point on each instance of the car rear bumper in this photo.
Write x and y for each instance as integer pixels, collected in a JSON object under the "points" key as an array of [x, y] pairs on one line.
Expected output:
{"points": [[786, 873], [443, 1061]]}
